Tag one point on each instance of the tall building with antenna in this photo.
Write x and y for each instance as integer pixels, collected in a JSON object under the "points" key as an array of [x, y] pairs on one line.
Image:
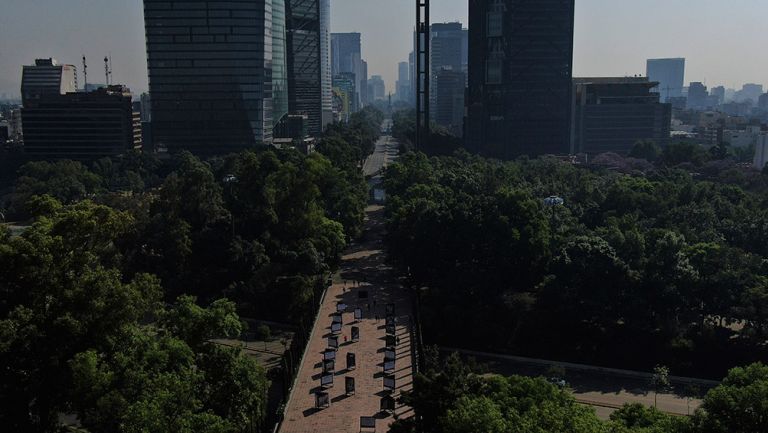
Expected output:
{"points": [[210, 74]]}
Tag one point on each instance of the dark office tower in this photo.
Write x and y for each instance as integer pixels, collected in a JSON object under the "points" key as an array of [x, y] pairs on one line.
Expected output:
{"points": [[309, 68], [46, 77], [520, 66], [670, 74], [346, 58], [81, 126], [446, 47], [613, 114], [448, 109], [279, 63], [210, 74]]}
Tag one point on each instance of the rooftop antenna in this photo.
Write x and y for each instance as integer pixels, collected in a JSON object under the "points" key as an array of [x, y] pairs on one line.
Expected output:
{"points": [[85, 75], [108, 70]]}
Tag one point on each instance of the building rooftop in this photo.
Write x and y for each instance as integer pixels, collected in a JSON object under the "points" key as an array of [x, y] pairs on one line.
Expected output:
{"points": [[615, 80]]}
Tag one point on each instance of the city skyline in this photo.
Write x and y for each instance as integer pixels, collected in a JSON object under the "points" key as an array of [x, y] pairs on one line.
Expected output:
{"points": [[60, 33]]}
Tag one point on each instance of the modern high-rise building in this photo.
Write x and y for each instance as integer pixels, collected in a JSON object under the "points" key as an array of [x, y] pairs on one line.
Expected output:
{"points": [[613, 114], [344, 94], [210, 74], [446, 54], [365, 98], [448, 109], [309, 62], [326, 79], [520, 66], [670, 74], [46, 77], [279, 63], [412, 78], [82, 126], [446, 46], [403, 84], [346, 57]]}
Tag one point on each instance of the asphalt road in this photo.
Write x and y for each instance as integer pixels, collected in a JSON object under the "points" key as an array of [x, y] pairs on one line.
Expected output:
{"points": [[384, 154]]}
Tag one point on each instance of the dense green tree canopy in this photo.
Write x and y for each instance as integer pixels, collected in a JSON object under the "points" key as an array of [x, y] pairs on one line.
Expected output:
{"points": [[635, 269]]}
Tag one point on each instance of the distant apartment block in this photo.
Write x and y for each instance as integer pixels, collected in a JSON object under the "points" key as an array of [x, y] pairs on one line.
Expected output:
{"points": [[612, 114], [670, 74]]}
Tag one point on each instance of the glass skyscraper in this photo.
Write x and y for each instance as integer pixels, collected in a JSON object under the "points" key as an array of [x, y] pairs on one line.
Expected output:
{"points": [[309, 62], [670, 74], [520, 69], [210, 74], [279, 62], [346, 58]]}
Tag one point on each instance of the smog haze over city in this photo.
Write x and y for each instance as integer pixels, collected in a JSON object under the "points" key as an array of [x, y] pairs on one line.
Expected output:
{"points": [[712, 34]]}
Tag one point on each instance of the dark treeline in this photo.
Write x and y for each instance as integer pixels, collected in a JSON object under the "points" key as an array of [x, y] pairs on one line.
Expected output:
{"points": [[451, 397], [441, 141], [643, 264], [130, 266]]}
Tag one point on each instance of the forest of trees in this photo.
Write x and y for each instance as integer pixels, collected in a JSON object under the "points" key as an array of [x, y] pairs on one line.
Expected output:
{"points": [[644, 264], [451, 397], [131, 266]]}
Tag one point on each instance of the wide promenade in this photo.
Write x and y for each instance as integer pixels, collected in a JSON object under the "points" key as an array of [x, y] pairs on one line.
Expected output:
{"points": [[365, 282]]}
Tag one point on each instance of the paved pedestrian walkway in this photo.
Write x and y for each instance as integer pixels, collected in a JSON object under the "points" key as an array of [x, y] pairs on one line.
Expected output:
{"points": [[367, 283]]}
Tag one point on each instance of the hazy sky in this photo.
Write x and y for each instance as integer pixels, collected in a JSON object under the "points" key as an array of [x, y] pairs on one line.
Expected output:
{"points": [[724, 41]]}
